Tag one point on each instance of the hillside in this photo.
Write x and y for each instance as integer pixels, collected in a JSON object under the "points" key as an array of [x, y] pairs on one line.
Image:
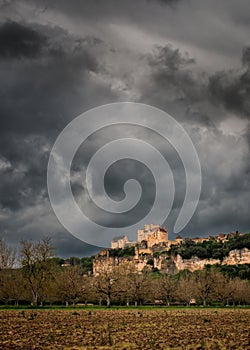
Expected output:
{"points": [[189, 254], [210, 249]]}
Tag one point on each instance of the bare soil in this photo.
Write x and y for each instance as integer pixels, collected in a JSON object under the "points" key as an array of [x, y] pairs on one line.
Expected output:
{"points": [[125, 329]]}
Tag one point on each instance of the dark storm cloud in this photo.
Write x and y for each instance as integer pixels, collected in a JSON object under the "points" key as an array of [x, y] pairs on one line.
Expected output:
{"points": [[42, 88], [18, 40], [122, 171], [59, 59], [195, 93], [38, 94], [171, 70], [174, 86], [170, 59], [232, 88], [206, 103], [246, 56], [23, 182]]}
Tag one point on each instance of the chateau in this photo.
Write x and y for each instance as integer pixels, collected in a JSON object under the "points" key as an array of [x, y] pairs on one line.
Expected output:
{"points": [[149, 240], [153, 250]]}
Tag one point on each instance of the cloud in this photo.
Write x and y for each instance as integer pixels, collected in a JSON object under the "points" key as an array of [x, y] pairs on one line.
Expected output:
{"points": [[18, 40], [58, 60], [49, 92], [214, 110], [232, 88]]}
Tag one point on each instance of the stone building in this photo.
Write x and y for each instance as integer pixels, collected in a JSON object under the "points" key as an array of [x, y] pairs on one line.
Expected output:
{"points": [[119, 242], [151, 238], [145, 233]]}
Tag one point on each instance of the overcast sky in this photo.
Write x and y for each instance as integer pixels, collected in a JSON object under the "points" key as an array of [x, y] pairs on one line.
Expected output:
{"points": [[190, 58]]}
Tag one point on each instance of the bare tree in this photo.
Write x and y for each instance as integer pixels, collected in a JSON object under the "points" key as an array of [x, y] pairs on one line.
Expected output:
{"points": [[70, 284], [36, 266], [105, 285], [139, 289], [7, 256], [204, 285], [7, 262], [125, 275], [240, 291], [222, 288], [186, 288], [167, 286]]}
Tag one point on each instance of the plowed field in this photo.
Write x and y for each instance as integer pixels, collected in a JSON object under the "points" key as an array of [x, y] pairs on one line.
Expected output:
{"points": [[125, 329]]}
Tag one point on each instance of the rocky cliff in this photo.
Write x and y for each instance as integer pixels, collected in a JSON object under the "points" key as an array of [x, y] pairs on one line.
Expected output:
{"points": [[167, 264], [236, 256]]}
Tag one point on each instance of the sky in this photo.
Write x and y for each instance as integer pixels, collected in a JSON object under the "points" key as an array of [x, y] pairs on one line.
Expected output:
{"points": [[59, 59]]}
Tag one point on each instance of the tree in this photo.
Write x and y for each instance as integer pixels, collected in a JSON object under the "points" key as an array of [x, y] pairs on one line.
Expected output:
{"points": [[167, 285], [204, 283], [222, 290], [139, 289], [7, 276], [124, 286], [186, 287], [105, 285], [12, 286], [7, 256], [70, 284], [241, 291], [87, 264], [37, 266], [73, 260]]}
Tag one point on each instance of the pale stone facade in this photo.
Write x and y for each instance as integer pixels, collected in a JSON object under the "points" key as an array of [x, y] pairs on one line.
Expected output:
{"points": [[158, 237], [152, 237], [119, 242], [146, 233]]}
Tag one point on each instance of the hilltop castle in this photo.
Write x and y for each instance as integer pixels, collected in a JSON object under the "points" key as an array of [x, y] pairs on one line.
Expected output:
{"points": [[150, 239], [151, 250]]}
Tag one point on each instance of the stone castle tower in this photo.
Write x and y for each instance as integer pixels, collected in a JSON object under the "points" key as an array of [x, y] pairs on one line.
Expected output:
{"points": [[153, 235]]}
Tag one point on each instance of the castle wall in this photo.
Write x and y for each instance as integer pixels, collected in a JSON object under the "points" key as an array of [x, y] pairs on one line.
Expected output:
{"points": [[157, 237], [153, 235]]}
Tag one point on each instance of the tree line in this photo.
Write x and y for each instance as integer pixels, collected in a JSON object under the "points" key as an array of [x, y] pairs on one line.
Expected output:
{"points": [[37, 277]]}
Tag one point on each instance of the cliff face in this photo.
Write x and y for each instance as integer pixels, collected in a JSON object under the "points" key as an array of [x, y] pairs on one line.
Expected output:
{"points": [[104, 264], [237, 256], [193, 263], [168, 265]]}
